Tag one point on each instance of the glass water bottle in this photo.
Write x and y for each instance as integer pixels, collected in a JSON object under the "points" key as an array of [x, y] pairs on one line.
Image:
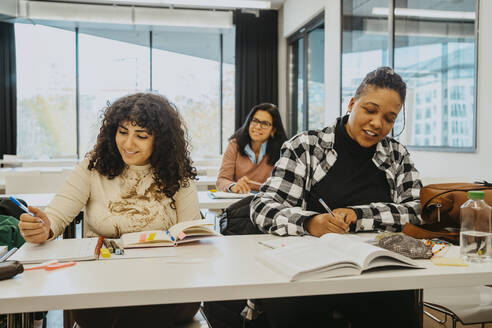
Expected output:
{"points": [[476, 230]]}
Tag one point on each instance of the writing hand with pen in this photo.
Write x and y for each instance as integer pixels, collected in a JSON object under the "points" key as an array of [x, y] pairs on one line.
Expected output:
{"points": [[338, 221], [35, 226], [242, 185]]}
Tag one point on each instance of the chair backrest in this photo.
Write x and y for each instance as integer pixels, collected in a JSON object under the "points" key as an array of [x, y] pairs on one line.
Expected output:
{"points": [[34, 182]]}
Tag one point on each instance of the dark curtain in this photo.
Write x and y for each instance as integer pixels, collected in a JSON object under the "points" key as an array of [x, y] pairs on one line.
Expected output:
{"points": [[256, 61], [8, 97]]}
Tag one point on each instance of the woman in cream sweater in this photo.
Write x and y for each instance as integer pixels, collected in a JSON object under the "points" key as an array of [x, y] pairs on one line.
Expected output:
{"points": [[137, 177]]}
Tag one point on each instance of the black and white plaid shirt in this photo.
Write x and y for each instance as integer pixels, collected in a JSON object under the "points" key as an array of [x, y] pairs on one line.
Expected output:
{"points": [[280, 206]]}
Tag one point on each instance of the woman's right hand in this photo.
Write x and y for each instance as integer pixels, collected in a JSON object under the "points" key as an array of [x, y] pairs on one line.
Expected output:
{"points": [[320, 224], [35, 229], [241, 186]]}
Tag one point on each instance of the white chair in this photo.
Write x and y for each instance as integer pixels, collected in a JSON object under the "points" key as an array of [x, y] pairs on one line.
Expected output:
{"points": [[34, 182], [468, 305]]}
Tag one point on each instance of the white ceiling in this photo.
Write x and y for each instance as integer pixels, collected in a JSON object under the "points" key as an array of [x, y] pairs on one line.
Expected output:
{"points": [[276, 4]]}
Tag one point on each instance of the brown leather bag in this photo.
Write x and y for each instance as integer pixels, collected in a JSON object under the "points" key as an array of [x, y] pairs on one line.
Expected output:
{"points": [[440, 203], [440, 208]]}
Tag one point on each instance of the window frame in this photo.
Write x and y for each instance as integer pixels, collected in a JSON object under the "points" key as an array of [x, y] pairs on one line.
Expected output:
{"points": [[301, 33], [391, 61]]}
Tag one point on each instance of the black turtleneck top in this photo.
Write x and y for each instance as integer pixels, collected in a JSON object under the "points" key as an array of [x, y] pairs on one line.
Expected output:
{"points": [[353, 180]]}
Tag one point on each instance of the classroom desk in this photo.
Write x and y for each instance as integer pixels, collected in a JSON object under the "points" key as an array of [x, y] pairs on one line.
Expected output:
{"points": [[15, 162], [222, 268], [204, 180], [204, 200]]}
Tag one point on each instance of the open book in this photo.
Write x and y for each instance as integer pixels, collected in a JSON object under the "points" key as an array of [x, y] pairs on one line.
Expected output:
{"points": [[227, 195], [332, 255], [179, 233]]}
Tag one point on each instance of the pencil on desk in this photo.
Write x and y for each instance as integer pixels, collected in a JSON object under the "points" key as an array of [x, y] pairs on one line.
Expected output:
{"points": [[99, 244]]}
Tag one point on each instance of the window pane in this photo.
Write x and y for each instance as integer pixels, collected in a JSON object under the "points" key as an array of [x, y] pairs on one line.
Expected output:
{"points": [[316, 83], [364, 42], [296, 85], [228, 85], [45, 91], [435, 54], [186, 69], [112, 64]]}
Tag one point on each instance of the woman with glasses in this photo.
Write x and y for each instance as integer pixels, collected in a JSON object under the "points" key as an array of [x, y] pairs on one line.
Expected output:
{"points": [[252, 151]]}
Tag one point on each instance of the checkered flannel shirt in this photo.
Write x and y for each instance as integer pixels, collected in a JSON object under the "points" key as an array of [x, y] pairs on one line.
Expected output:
{"points": [[280, 206]]}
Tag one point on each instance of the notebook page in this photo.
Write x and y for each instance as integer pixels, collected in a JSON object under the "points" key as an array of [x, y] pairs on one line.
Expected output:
{"points": [[59, 249]]}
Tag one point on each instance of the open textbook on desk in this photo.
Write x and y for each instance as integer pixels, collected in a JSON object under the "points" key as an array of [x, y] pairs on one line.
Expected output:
{"points": [[182, 232], [332, 255]]}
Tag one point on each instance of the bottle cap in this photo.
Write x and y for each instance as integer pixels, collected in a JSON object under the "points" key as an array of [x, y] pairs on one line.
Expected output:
{"points": [[476, 194]]}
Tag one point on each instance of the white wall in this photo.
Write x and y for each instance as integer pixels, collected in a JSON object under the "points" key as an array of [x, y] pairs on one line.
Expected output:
{"points": [[8, 7], [297, 14], [476, 165]]}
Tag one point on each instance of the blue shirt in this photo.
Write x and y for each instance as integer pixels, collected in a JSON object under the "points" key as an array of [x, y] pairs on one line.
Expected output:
{"points": [[251, 153]]}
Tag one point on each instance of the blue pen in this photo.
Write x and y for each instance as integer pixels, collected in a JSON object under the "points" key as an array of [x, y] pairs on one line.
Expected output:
{"points": [[172, 238], [22, 207], [326, 207]]}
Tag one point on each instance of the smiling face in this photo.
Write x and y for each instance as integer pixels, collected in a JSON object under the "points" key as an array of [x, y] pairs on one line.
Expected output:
{"points": [[261, 126], [372, 115], [134, 143]]}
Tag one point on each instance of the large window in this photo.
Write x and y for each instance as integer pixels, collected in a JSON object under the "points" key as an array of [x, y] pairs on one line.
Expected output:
{"points": [[111, 65], [432, 44], [193, 68], [46, 120], [306, 75]]}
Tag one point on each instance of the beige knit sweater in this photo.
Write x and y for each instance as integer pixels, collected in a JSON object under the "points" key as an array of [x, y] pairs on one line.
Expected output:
{"points": [[128, 203]]}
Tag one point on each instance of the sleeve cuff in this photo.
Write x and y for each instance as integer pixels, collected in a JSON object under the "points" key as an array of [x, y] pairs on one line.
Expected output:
{"points": [[230, 186]]}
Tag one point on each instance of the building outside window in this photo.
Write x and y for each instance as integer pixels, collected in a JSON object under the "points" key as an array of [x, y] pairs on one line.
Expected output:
{"points": [[432, 45]]}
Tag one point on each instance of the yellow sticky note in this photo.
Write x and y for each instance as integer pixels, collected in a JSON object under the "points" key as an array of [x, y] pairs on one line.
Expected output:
{"points": [[213, 190], [151, 236], [448, 261], [105, 253]]}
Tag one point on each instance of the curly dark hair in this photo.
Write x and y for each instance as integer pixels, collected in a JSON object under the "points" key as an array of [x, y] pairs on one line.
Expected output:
{"points": [[170, 157], [274, 143]]}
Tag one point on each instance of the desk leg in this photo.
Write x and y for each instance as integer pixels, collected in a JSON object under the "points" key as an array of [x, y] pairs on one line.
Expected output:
{"points": [[28, 320], [10, 320], [420, 305]]}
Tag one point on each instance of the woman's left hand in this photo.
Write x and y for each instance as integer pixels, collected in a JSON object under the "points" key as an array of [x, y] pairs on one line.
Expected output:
{"points": [[350, 215]]}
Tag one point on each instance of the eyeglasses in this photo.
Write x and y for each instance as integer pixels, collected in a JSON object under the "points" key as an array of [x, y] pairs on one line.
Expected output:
{"points": [[262, 124]]}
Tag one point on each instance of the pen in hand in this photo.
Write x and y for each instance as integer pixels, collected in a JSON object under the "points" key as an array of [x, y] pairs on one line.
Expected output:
{"points": [[328, 209], [24, 208]]}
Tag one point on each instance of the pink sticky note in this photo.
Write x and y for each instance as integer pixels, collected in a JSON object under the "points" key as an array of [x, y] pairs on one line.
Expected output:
{"points": [[181, 235], [143, 238]]}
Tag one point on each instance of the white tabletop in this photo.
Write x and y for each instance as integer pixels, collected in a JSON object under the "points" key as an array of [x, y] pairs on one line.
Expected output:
{"points": [[204, 200], [204, 180], [39, 162], [221, 268]]}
